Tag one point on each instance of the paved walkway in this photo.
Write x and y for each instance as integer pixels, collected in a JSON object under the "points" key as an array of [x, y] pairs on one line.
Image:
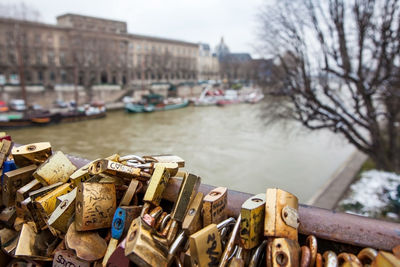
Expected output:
{"points": [[336, 186]]}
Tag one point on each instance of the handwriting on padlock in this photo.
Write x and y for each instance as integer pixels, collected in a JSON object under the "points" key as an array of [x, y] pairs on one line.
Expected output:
{"points": [[212, 250]]}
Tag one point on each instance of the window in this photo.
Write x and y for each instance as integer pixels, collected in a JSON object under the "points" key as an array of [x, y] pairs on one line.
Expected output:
{"points": [[52, 76], [11, 58], [50, 57], [37, 38], [50, 40], [40, 76], [62, 41], [63, 76], [62, 58], [138, 47], [38, 57]]}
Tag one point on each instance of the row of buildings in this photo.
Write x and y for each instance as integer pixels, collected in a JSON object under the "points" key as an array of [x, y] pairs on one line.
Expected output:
{"points": [[93, 51]]}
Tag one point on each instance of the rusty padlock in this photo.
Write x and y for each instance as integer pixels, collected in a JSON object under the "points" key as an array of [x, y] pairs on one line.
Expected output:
{"points": [[214, 206], [281, 215]]}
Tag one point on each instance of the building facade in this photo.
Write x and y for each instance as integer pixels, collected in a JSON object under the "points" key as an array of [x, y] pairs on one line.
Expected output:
{"points": [[90, 51], [208, 64]]}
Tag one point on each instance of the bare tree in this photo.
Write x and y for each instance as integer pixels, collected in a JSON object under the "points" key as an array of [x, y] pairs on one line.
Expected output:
{"points": [[338, 68]]}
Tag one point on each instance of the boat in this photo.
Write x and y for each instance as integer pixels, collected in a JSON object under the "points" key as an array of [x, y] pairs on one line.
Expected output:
{"points": [[230, 97], [154, 102], [209, 97], [254, 97]]}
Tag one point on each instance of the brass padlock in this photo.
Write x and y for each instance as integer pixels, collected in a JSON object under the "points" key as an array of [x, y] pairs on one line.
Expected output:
{"points": [[284, 252], [252, 222], [214, 206], [67, 258], [384, 259], [80, 175], [13, 180], [281, 216], [46, 204], [157, 185], [35, 153], [114, 168], [57, 168], [5, 148], [205, 246], [192, 222], [59, 220], [43, 190], [95, 206], [24, 191], [141, 248], [88, 245], [188, 189], [30, 214]]}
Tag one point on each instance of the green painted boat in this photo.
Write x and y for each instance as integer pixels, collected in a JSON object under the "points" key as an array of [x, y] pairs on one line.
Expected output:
{"points": [[139, 108]]}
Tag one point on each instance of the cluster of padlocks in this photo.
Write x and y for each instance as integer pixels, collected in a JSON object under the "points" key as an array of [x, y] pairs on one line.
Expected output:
{"points": [[111, 212]]}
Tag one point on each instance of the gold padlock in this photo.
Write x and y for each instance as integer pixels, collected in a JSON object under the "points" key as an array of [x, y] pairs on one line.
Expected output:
{"points": [[59, 220], [95, 206], [35, 153], [192, 222], [46, 204], [157, 185], [13, 180], [214, 206], [252, 222], [190, 184], [284, 252], [171, 167], [57, 168], [43, 190], [205, 246], [141, 248], [281, 216]]}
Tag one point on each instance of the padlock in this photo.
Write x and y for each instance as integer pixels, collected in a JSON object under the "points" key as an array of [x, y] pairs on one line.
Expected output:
{"points": [[23, 192], [7, 216], [281, 216], [214, 206], [95, 206], [31, 214], [252, 223], [367, 255], [188, 189], [88, 245], [46, 204], [35, 245], [13, 180], [57, 168], [141, 248], [167, 159], [385, 259], [192, 221], [205, 245], [5, 148], [122, 219], [130, 193], [348, 258], [67, 258], [284, 252], [80, 175], [115, 168], [171, 167], [157, 185], [35, 153], [8, 240], [43, 190], [58, 221]]}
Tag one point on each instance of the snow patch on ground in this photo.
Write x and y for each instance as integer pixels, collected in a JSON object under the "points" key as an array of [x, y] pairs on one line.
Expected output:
{"points": [[370, 195]]}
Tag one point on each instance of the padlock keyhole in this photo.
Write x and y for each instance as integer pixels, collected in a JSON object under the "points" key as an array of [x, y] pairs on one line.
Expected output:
{"points": [[281, 258]]}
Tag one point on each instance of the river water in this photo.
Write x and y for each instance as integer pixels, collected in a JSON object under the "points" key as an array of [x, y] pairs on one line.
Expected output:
{"points": [[229, 146]]}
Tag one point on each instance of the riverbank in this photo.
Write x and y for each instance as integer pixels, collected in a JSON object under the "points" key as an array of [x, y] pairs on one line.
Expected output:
{"points": [[333, 190]]}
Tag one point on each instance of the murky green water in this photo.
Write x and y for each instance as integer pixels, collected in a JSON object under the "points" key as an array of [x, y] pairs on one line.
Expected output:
{"points": [[227, 146]]}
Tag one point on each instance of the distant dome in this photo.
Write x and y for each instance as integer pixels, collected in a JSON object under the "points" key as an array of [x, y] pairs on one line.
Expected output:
{"points": [[222, 49]]}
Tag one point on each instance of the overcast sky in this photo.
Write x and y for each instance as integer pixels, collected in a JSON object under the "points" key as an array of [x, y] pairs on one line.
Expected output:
{"points": [[189, 20]]}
